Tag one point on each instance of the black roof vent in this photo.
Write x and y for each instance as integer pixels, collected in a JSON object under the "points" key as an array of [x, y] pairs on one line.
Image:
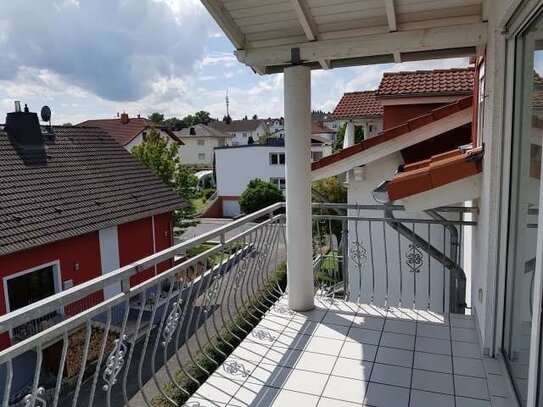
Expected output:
{"points": [[192, 131]]}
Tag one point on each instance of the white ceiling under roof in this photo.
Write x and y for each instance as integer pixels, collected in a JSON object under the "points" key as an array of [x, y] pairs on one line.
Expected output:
{"points": [[272, 34]]}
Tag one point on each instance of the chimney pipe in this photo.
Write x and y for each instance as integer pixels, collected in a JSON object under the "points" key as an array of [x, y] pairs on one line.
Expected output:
{"points": [[124, 118], [17, 106]]}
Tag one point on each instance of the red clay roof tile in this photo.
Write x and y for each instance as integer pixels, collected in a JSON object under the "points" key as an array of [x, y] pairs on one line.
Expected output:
{"points": [[394, 132], [438, 82], [358, 104], [440, 169]]}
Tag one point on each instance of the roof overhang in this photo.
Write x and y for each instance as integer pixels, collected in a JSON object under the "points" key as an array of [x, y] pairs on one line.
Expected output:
{"points": [[270, 35]]}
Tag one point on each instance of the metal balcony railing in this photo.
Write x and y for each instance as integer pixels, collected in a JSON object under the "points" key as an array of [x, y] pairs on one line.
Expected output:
{"points": [[383, 255], [154, 342]]}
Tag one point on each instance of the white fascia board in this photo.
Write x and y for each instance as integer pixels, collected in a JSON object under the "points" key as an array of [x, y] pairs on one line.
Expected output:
{"points": [[429, 39], [397, 144], [226, 22], [446, 195]]}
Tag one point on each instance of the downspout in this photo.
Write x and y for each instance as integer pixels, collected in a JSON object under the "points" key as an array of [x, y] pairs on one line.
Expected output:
{"points": [[457, 286]]}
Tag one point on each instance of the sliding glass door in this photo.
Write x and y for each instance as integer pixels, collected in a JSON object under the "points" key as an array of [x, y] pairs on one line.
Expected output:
{"points": [[524, 260]]}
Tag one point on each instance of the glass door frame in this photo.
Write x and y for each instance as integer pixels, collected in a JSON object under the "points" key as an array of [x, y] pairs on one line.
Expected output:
{"points": [[517, 41]]}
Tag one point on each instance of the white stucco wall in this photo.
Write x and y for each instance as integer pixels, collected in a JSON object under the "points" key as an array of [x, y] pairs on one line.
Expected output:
{"points": [[241, 140], [139, 139], [236, 166]]}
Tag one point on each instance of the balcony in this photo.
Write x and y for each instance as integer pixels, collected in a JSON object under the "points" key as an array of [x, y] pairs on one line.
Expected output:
{"points": [[389, 327]]}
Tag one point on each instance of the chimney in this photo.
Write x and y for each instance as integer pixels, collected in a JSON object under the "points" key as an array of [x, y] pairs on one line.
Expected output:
{"points": [[24, 128], [124, 118], [192, 131]]}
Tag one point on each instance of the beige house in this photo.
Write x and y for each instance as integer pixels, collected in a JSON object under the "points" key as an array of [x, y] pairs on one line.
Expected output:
{"points": [[199, 142]]}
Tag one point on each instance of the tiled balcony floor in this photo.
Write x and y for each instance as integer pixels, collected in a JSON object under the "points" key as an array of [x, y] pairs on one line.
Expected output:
{"points": [[343, 354]]}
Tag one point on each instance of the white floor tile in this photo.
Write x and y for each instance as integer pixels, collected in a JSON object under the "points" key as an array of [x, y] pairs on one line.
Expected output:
{"points": [[467, 402], [344, 307], [464, 335], [297, 341], [400, 341], [316, 362], [432, 317], [431, 345], [354, 369], [497, 386], [466, 350], [269, 375], [471, 387], [338, 318], [492, 366], [326, 346], [372, 310], [252, 394], [345, 389], [359, 351], [468, 367], [433, 331], [315, 315], [235, 369], [200, 401], [366, 322], [250, 351], [432, 381], [421, 398], [282, 356], [218, 389], [393, 356], [501, 402], [433, 362], [380, 395], [331, 331], [462, 321], [287, 398], [362, 335], [326, 402], [392, 375], [402, 313], [400, 326], [306, 382]]}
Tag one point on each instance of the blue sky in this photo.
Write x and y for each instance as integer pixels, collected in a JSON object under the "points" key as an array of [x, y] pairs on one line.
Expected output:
{"points": [[94, 58]]}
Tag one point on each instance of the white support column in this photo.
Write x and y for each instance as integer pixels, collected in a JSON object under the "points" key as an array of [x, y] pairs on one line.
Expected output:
{"points": [[297, 83], [348, 138]]}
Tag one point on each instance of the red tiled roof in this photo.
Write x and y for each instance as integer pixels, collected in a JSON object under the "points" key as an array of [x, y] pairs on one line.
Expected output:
{"points": [[434, 172], [394, 132], [123, 133], [439, 82], [316, 128], [358, 104]]}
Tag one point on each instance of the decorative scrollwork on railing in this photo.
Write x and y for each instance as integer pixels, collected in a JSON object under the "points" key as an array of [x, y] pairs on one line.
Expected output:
{"points": [[30, 401], [114, 363], [211, 294], [193, 404], [263, 335], [240, 273], [171, 323], [414, 258], [359, 255], [235, 368]]}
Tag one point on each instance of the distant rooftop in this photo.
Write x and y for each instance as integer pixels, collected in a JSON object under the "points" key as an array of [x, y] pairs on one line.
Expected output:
{"points": [[236, 125], [438, 82], [124, 128], [201, 130], [357, 105]]}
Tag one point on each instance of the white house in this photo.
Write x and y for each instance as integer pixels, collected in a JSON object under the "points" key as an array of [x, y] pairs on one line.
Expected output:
{"points": [[131, 131], [276, 126], [199, 142], [236, 166], [243, 131]]}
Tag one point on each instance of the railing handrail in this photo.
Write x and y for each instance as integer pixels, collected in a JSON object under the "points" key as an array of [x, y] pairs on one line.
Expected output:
{"points": [[454, 209], [54, 302]]}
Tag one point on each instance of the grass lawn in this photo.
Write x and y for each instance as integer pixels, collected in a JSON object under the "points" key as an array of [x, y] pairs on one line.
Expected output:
{"points": [[198, 204]]}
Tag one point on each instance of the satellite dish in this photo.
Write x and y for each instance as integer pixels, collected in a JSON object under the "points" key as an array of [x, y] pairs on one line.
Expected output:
{"points": [[45, 114]]}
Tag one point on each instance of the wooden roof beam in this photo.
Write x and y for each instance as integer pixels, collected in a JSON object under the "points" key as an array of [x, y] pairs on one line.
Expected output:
{"points": [[391, 15], [306, 19], [366, 46]]}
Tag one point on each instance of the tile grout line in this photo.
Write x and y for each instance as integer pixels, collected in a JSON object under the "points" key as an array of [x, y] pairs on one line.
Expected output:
{"points": [[413, 362], [452, 361]]}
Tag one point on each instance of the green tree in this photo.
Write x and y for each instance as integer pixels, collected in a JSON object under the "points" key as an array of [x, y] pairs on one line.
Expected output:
{"points": [[340, 136], [175, 124], [258, 195], [156, 117], [163, 160]]}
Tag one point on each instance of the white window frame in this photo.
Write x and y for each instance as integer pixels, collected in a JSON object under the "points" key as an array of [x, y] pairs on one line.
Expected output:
{"points": [[56, 278], [278, 155], [201, 142], [277, 182], [201, 156]]}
